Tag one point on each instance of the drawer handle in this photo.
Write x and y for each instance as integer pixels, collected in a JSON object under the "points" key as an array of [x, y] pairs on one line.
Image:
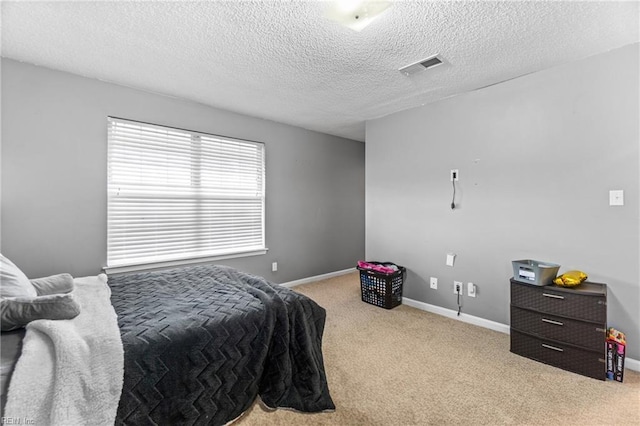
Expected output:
{"points": [[548, 321], [552, 347], [554, 296]]}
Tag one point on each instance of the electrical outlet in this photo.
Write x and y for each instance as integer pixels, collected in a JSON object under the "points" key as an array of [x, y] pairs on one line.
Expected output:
{"points": [[274, 266], [454, 175], [457, 287], [471, 289], [434, 283]]}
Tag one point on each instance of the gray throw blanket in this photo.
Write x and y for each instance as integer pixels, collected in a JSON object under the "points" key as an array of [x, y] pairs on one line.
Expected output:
{"points": [[70, 371], [201, 343]]}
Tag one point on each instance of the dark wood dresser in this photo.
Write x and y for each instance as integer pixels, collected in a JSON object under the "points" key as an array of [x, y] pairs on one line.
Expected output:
{"points": [[563, 327]]}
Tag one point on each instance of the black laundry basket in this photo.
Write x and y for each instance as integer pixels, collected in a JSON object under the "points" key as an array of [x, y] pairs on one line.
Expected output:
{"points": [[384, 290]]}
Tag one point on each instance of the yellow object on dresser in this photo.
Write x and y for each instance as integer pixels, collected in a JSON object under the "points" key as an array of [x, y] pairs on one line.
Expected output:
{"points": [[570, 279]]}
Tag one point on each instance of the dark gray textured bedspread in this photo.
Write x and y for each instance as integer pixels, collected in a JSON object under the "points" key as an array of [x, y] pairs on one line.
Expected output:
{"points": [[200, 343]]}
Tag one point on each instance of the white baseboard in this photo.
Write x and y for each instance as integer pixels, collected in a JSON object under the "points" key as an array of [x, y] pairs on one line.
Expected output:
{"points": [[630, 363], [492, 325], [317, 278]]}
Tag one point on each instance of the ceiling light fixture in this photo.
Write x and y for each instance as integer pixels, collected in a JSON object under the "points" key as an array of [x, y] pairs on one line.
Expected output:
{"points": [[355, 14]]}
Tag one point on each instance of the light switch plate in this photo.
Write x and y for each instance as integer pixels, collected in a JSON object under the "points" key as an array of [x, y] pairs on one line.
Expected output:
{"points": [[451, 257], [616, 197]]}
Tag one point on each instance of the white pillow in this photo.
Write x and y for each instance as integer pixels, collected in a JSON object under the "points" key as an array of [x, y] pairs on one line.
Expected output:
{"points": [[13, 282]]}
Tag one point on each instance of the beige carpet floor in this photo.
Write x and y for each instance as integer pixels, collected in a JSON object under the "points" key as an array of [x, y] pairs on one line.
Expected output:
{"points": [[409, 367]]}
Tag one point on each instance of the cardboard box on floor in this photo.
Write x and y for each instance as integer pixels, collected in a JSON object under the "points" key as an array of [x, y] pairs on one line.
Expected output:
{"points": [[616, 346]]}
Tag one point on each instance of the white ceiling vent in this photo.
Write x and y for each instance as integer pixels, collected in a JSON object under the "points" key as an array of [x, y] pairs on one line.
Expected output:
{"points": [[430, 62]]}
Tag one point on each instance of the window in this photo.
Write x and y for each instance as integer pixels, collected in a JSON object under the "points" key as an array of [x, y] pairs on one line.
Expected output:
{"points": [[176, 195]]}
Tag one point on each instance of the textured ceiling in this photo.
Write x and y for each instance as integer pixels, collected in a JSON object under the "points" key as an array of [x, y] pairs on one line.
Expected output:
{"points": [[284, 61]]}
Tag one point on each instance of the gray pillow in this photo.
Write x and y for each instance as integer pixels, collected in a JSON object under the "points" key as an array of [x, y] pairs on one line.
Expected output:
{"points": [[13, 282], [55, 284], [18, 312]]}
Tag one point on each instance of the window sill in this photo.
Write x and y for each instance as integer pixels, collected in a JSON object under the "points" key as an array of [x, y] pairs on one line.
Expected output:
{"points": [[121, 269]]}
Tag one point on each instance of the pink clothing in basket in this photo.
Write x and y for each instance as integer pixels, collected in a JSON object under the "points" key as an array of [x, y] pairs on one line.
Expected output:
{"points": [[390, 269]]}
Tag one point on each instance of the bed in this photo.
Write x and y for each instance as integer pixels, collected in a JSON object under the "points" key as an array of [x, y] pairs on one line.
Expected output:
{"points": [[200, 344]]}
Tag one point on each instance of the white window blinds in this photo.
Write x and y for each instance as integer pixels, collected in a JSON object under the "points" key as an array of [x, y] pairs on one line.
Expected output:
{"points": [[176, 194]]}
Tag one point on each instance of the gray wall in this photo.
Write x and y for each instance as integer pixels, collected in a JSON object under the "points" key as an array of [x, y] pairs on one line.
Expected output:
{"points": [[537, 157], [54, 177]]}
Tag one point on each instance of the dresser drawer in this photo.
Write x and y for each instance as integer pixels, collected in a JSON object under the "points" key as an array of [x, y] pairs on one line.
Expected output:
{"points": [[587, 363], [585, 334], [568, 303]]}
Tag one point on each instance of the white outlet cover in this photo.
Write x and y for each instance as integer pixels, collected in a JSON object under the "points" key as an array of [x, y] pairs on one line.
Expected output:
{"points": [[471, 289], [433, 282]]}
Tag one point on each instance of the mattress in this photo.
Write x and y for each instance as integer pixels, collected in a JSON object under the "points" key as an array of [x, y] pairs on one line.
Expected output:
{"points": [[10, 348], [202, 342]]}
